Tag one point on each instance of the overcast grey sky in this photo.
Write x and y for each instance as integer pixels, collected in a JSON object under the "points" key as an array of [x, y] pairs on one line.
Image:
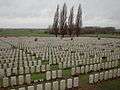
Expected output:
{"points": [[40, 13]]}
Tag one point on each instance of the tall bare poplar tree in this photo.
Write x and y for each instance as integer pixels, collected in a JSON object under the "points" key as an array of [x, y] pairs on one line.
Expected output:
{"points": [[78, 24], [63, 17], [55, 23], [70, 21]]}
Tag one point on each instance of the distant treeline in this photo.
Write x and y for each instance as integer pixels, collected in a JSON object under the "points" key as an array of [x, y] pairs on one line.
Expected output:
{"points": [[96, 30], [99, 30]]}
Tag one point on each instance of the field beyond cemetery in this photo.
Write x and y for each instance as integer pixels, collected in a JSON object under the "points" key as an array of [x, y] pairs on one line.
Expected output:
{"points": [[24, 32], [45, 33], [36, 61]]}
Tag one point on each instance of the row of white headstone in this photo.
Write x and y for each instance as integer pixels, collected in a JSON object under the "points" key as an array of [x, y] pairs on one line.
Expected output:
{"points": [[24, 79], [23, 70], [83, 51], [69, 64], [43, 68], [54, 74], [63, 84], [83, 61], [20, 64], [38, 63], [14, 80], [105, 75], [93, 67], [32, 69], [51, 47]]}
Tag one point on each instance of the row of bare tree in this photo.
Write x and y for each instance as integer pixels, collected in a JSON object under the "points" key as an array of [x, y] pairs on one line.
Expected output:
{"points": [[63, 25]]}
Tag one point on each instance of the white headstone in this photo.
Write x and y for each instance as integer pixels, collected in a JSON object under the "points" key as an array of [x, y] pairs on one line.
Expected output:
{"points": [[21, 79], [40, 87], [116, 63], [110, 74], [62, 85], [35, 63], [47, 86], [76, 81], [95, 67], [28, 78], [25, 63], [5, 82], [68, 64], [96, 77], [15, 71], [22, 88], [110, 65], [5, 65], [31, 88], [39, 62], [2, 73], [91, 79], [118, 73], [13, 81], [106, 65], [101, 76], [48, 75], [114, 73], [12, 89], [47, 67], [8, 71], [27, 70], [30, 63], [54, 74], [55, 85], [21, 70], [82, 69], [43, 68], [103, 65], [73, 71], [78, 70], [60, 65], [86, 69], [10, 65], [113, 64], [91, 67], [59, 73], [99, 66], [32, 69], [106, 75], [69, 83], [64, 65], [37, 69]]}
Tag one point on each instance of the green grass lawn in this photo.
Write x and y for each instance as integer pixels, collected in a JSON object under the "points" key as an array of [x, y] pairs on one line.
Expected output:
{"points": [[54, 67], [105, 85], [26, 32], [44, 33], [101, 35], [38, 76], [109, 85], [67, 72], [84, 79], [45, 62], [1, 82]]}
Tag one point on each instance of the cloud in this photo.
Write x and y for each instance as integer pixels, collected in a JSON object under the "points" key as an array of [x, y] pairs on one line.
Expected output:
{"points": [[39, 13], [101, 21], [29, 22]]}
